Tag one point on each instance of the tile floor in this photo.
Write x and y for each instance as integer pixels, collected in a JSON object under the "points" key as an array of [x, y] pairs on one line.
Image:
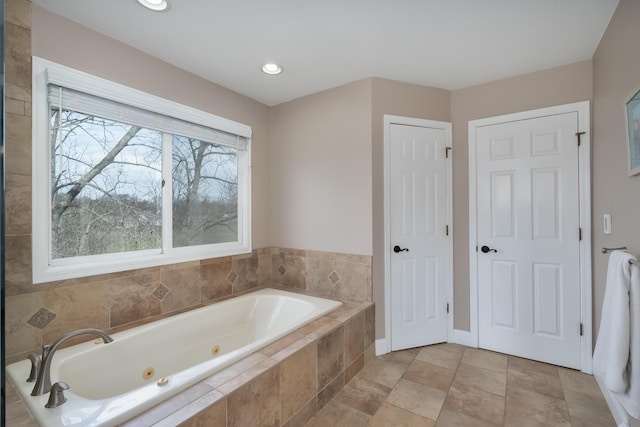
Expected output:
{"points": [[448, 385]]}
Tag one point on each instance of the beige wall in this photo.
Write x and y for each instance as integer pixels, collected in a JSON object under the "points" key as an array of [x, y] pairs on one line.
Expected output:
{"points": [[398, 99], [41, 313], [52, 37], [318, 161], [616, 73], [327, 196], [321, 171], [546, 88]]}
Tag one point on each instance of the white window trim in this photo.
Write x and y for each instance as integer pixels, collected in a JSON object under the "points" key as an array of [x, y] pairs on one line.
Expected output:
{"points": [[45, 72]]}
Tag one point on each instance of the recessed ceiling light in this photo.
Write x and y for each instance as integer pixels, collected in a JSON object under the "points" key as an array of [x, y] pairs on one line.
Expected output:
{"points": [[157, 5], [271, 68]]}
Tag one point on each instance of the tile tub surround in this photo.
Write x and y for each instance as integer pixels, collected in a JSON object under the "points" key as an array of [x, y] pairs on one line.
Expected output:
{"points": [[334, 275], [39, 314], [284, 384]]}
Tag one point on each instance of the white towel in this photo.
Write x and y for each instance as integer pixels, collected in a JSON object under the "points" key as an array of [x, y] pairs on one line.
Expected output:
{"points": [[611, 354], [631, 398]]}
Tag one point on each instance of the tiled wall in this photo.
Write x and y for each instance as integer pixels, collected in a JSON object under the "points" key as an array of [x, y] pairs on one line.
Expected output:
{"points": [[115, 301], [325, 273]]}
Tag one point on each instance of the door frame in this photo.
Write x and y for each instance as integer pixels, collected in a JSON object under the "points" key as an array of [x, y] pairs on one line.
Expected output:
{"points": [[383, 347], [584, 182]]}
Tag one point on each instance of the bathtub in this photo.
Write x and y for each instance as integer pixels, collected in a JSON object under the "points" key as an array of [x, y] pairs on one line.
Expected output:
{"points": [[111, 383]]}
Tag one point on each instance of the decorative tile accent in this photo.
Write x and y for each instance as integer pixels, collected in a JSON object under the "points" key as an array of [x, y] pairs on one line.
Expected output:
{"points": [[254, 255], [184, 285], [42, 318], [334, 277], [282, 270], [160, 292], [281, 254], [132, 298], [231, 277]]}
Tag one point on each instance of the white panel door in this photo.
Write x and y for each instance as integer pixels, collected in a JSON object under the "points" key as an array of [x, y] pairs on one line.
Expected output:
{"points": [[420, 264], [528, 239]]}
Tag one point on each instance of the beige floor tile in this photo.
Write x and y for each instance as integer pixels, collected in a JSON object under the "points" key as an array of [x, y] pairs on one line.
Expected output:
{"points": [[449, 418], [363, 395], [532, 366], [390, 415], [429, 374], [528, 408], [578, 422], [579, 382], [447, 385], [485, 359], [383, 372], [402, 356], [417, 398], [587, 407], [476, 403], [456, 348], [336, 414], [535, 381], [438, 355], [481, 379]]}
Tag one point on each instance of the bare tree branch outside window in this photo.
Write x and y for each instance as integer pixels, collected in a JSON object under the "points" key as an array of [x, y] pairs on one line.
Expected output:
{"points": [[205, 193], [106, 188]]}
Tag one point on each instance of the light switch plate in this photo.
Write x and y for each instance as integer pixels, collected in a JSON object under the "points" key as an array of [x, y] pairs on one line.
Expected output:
{"points": [[607, 223]]}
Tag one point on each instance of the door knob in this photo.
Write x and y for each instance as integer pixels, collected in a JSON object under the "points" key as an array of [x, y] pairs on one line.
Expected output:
{"points": [[397, 249], [486, 249]]}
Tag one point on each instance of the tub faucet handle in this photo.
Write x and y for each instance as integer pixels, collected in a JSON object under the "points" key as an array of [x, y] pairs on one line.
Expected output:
{"points": [[56, 397], [36, 363]]}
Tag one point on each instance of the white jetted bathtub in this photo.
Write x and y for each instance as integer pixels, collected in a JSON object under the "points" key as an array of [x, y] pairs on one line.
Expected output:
{"points": [[110, 383]]}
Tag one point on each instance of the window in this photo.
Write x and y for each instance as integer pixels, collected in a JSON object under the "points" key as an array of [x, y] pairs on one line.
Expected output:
{"points": [[123, 179]]}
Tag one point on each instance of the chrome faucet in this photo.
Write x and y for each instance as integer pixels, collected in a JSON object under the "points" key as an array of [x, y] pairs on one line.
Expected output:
{"points": [[43, 382]]}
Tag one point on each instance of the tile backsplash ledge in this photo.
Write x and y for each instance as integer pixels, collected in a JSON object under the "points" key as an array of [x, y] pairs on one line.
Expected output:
{"points": [[41, 313]]}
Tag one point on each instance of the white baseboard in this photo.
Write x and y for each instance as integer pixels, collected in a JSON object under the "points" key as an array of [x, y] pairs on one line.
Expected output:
{"points": [[461, 337], [622, 418], [382, 347]]}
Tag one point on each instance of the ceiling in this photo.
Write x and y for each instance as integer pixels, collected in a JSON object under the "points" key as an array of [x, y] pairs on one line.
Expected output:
{"points": [[448, 44]]}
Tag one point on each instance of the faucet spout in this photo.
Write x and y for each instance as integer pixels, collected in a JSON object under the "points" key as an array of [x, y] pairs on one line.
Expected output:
{"points": [[43, 382]]}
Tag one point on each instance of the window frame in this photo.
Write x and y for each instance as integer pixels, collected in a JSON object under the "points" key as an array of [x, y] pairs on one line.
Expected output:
{"points": [[44, 268]]}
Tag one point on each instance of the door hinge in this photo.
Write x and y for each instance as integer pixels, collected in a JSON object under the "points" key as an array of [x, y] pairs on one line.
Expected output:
{"points": [[446, 152], [579, 134], [447, 308], [580, 233], [581, 329], [446, 230]]}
